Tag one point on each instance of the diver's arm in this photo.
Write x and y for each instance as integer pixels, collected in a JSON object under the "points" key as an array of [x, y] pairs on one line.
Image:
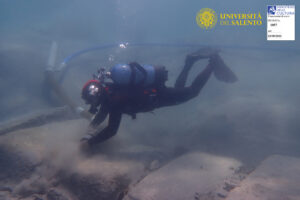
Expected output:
{"points": [[100, 116], [109, 131]]}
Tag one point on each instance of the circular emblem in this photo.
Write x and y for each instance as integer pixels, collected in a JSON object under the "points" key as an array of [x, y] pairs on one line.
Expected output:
{"points": [[206, 18]]}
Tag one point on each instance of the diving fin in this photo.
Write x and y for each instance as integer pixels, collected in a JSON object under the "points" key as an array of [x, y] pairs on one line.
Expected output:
{"points": [[202, 53], [221, 70]]}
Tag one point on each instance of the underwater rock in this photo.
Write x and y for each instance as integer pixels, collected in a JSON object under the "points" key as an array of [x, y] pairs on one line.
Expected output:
{"points": [[94, 187], [13, 168], [277, 178], [3, 196], [56, 195], [154, 165], [187, 177], [28, 187]]}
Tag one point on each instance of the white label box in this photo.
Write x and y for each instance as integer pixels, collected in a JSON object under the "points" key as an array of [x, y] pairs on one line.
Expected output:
{"points": [[281, 22]]}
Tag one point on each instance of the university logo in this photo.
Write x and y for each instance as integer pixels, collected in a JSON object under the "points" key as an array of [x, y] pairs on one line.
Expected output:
{"points": [[271, 10], [206, 18]]}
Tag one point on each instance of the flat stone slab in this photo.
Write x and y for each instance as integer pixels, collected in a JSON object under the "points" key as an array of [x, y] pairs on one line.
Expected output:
{"points": [[191, 176], [277, 178]]}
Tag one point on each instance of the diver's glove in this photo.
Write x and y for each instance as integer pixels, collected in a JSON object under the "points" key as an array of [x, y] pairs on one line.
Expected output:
{"points": [[86, 137], [90, 133], [93, 109]]}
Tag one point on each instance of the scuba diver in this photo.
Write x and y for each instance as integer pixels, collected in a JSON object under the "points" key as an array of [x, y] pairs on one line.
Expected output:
{"points": [[135, 88]]}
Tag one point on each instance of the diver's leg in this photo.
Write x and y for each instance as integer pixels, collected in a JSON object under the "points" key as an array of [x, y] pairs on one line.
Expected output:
{"points": [[181, 79], [174, 96], [200, 81], [189, 62], [221, 72]]}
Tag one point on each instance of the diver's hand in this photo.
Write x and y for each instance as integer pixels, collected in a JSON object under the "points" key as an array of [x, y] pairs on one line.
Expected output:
{"points": [[86, 137], [89, 134]]}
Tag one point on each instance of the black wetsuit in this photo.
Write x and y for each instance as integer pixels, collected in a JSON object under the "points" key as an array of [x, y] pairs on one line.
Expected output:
{"points": [[118, 100]]}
